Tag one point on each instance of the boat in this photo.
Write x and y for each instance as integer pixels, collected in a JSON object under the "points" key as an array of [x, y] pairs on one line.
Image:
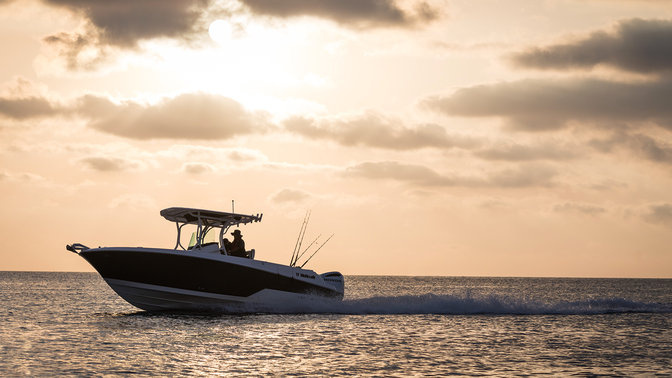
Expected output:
{"points": [[204, 276]]}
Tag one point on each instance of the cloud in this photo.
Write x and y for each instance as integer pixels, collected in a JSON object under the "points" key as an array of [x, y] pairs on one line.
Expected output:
{"points": [[241, 155], [134, 201], [27, 107], [80, 51], [532, 175], [123, 23], [188, 116], [659, 214], [578, 208], [290, 196], [641, 145], [392, 170], [219, 155], [358, 13], [374, 130], [110, 164], [114, 25], [541, 105], [22, 177], [197, 168], [518, 152], [643, 46], [417, 175]]}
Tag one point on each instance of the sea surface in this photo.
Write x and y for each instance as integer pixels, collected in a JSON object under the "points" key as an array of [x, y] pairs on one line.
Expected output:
{"points": [[74, 324]]}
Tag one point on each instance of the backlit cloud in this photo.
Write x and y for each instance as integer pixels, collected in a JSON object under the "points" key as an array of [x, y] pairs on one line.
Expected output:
{"points": [[26, 107], [198, 168], [374, 130], [524, 176], [133, 201], [392, 170], [533, 175], [660, 214], [122, 24], [22, 177], [125, 22], [537, 105], [222, 155], [288, 195], [110, 163], [579, 208], [641, 145], [636, 45], [80, 51], [360, 13], [188, 116], [519, 152]]}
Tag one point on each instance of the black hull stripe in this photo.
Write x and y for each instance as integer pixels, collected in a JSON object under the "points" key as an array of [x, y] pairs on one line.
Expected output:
{"points": [[190, 273]]}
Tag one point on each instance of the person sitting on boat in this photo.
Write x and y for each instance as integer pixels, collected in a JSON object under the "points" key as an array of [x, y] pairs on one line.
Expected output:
{"points": [[237, 246]]}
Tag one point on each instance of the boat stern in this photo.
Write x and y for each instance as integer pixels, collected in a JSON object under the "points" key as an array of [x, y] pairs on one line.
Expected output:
{"points": [[336, 280]]}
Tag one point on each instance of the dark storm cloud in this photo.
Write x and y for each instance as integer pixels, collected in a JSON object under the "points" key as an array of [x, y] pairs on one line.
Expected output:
{"points": [[188, 116], [362, 13], [125, 22], [660, 214], [537, 105], [375, 130], [417, 175], [27, 107], [637, 45]]}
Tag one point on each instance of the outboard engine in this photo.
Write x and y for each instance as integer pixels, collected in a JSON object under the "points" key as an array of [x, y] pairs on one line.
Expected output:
{"points": [[335, 279]]}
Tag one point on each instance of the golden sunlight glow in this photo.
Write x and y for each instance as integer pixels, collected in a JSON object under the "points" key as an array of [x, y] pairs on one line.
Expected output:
{"points": [[249, 64], [442, 139], [220, 31]]}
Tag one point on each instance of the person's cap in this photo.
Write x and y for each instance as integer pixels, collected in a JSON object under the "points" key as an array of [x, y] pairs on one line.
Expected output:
{"points": [[236, 232]]}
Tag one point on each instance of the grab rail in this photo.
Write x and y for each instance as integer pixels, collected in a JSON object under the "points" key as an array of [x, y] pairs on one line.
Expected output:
{"points": [[76, 247]]}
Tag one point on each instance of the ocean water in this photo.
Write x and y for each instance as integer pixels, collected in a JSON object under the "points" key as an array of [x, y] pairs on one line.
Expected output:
{"points": [[74, 324]]}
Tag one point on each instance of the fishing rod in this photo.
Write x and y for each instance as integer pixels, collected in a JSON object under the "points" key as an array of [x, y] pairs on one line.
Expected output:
{"points": [[307, 248], [299, 240], [303, 234], [311, 256]]}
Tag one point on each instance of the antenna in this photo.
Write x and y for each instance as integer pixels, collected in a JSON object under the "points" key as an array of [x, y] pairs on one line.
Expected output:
{"points": [[232, 207], [311, 256], [299, 240]]}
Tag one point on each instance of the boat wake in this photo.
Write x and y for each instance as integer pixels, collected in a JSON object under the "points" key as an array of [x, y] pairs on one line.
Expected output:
{"points": [[467, 305]]}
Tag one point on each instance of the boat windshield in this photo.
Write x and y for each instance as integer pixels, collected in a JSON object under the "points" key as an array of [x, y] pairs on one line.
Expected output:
{"points": [[192, 241], [211, 236]]}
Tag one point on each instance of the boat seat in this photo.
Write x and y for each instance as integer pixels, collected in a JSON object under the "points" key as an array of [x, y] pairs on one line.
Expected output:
{"points": [[250, 253]]}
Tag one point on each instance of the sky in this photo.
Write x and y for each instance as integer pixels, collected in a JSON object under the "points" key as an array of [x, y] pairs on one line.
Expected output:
{"points": [[431, 137]]}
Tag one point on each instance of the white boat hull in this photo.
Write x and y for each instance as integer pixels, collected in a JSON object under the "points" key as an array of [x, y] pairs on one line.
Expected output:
{"points": [[161, 280], [162, 298]]}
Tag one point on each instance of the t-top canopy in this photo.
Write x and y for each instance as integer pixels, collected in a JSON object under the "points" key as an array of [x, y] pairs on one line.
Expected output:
{"points": [[207, 217]]}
